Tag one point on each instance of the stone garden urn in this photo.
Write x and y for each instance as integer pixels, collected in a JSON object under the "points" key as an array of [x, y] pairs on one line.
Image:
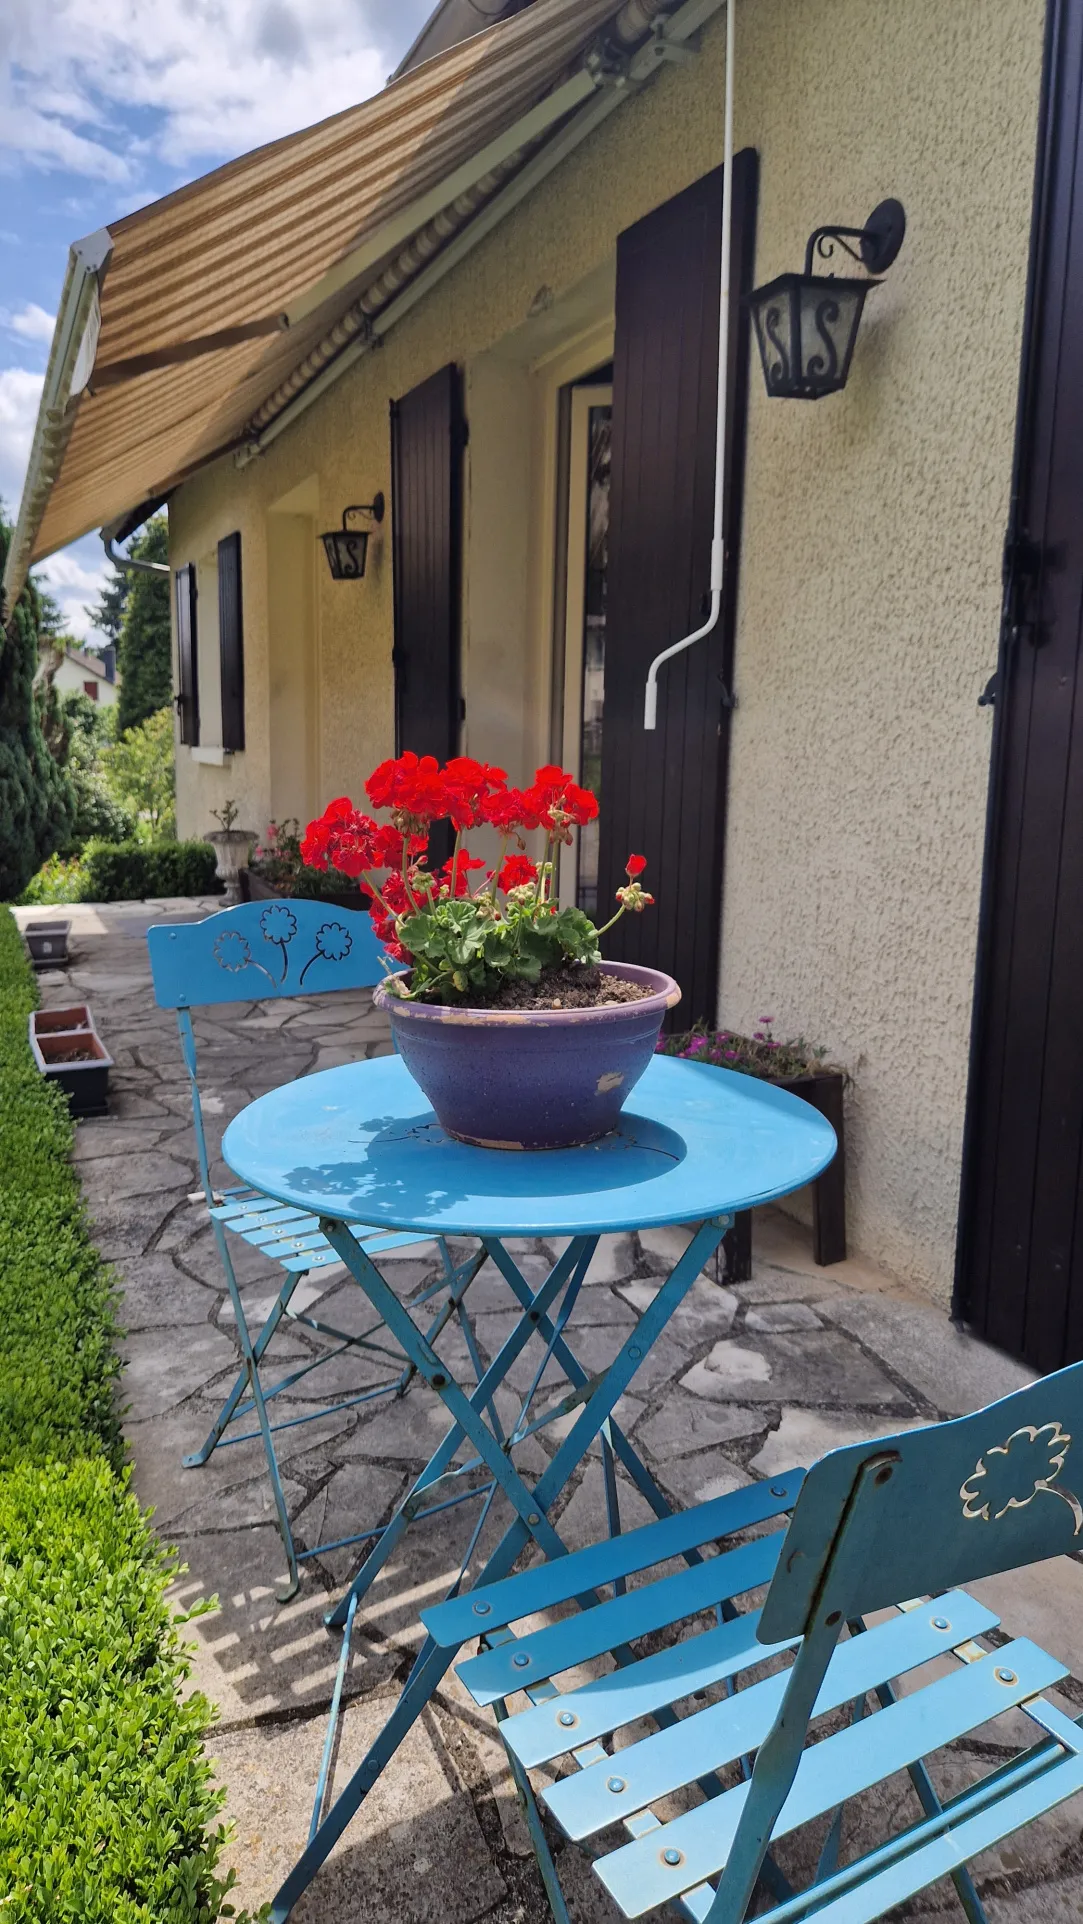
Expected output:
{"points": [[231, 846]]}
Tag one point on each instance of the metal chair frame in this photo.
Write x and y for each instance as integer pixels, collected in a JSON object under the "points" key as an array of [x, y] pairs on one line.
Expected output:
{"points": [[255, 952], [909, 1517]]}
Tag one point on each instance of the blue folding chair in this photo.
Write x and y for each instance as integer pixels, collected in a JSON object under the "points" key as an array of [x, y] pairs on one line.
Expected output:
{"points": [[264, 951], [892, 1525]]}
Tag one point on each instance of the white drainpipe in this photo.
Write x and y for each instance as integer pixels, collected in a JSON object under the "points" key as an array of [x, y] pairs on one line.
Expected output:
{"points": [[718, 556]]}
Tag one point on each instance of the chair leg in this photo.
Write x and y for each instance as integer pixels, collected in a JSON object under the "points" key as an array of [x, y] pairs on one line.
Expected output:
{"points": [[197, 1458], [251, 1371], [543, 1856]]}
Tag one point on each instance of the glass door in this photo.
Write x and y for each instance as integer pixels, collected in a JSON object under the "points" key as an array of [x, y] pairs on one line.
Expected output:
{"points": [[585, 621]]}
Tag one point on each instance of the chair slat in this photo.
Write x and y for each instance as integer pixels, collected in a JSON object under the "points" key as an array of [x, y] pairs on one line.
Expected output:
{"points": [[310, 1259], [1004, 1801], [260, 1229], [637, 1877], [452, 1623], [708, 1739], [590, 1633], [233, 1212], [293, 1244], [621, 1696]]}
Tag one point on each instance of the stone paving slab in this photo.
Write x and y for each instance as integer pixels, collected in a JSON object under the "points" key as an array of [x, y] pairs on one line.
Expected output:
{"points": [[746, 1382]]}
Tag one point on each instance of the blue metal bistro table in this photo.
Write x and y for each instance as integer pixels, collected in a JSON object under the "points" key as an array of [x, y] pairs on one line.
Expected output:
{"points": [[360, 1144]]}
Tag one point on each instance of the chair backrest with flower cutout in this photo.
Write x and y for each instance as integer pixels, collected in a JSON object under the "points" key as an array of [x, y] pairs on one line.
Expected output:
{"points": [[914, 1514], [261, 951]]}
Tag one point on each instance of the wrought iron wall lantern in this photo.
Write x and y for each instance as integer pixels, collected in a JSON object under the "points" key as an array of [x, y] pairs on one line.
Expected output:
{"points": [[347, 548], [806, 324]]}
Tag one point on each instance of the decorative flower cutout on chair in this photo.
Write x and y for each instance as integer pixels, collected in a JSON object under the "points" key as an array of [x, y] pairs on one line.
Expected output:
{"points": [[231, 951], [1012, 1474], [278, 923], [334, 942]]}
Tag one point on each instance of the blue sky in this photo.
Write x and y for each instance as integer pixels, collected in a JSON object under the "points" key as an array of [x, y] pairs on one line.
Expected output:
{"points": [[108, 104]]}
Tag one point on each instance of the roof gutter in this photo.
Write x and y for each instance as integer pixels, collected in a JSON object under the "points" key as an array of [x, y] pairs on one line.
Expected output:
{"points": [[602, 84], [129, 561], [71, 358]]}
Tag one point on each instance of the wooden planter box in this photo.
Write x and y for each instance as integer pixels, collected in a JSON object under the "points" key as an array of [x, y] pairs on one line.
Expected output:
{"points": [[255, 889], [824, 1091], [74, 1057], [47, 943]]}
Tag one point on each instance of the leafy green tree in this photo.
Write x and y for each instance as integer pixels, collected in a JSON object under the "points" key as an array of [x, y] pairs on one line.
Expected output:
{"points": [[144, 659], [88, 731], [140, 773], [36, 801]]}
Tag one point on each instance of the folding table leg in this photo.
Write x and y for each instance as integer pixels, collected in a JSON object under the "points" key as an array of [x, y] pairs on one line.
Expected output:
{"points": [[531, 1507], [577, 1375], [466, 1411]]}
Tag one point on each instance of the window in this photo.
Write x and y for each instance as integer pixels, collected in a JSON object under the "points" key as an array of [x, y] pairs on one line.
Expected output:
{"points": [[210, 653]]}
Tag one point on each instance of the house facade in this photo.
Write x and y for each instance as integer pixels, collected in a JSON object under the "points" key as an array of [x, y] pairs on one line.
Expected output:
{"points": [[79, 672], [539, 420]]}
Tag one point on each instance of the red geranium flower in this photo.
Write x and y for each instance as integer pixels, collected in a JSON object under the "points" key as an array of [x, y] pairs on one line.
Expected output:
{"points": [[635, 865], [507, 810], [469, 785], [413, 787], [461, 867], [518, 872], [555, 802]]}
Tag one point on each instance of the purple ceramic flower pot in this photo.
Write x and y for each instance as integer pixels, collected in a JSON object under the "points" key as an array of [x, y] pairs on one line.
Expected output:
{"points": [[531, 1078]]}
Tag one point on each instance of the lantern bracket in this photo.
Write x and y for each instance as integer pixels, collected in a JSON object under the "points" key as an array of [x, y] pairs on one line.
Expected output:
{"points": [[878, 242], [375, 508]]}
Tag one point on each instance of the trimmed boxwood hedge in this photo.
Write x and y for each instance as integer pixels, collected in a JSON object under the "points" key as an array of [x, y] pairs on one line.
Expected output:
{"points": [[107, 1810], [130, 871]]}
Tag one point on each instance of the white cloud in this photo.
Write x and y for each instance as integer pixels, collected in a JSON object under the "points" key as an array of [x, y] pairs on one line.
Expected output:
{"points": [[99, 86], [20, 392], [74, 578], [30, 322]]}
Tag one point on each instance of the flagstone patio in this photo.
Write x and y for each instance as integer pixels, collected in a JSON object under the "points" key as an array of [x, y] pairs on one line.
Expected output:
{"points": [[744, 1383]]}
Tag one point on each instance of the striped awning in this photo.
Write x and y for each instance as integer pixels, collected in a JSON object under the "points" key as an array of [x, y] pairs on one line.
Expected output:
{"points": [[212, 298]]}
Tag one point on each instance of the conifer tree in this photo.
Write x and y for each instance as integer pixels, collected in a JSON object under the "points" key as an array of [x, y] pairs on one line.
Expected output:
{"points": [[144, 658], [35, 796]]}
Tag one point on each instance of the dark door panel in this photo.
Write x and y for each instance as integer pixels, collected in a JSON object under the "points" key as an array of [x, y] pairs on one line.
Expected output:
{"points": [[663, 794], [1020, 1259]]}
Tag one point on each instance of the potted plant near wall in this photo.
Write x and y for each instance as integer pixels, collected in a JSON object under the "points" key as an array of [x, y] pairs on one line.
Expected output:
{"points": [[503, 1010], [231, 846], [803, 1069], [276, 867]]}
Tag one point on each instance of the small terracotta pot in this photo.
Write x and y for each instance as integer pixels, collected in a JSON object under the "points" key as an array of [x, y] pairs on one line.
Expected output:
{"points": [[531, 1078]]}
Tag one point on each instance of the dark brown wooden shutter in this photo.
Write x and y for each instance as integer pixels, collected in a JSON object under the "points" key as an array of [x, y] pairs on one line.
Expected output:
{"points": [[231, 641], [426, 510], [1020, 1253], [187, 696], [663, 794]]}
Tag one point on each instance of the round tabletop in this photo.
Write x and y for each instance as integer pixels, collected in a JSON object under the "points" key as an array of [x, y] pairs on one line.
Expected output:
{"points": [[361, 1144]]}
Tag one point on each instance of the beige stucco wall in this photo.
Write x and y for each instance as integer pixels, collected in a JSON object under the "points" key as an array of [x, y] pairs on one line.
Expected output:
{"points": [[870, 563]]}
